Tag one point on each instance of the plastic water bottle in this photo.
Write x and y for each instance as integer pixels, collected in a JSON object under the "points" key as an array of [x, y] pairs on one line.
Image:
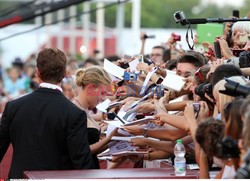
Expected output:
{"points": [[179, 161]]}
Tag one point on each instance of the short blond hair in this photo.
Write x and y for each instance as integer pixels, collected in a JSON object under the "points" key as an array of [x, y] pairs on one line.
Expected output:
{"points": [[93, 75]]}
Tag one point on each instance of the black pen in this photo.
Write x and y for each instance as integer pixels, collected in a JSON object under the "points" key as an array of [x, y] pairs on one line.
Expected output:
{"points": [[119, 118]]}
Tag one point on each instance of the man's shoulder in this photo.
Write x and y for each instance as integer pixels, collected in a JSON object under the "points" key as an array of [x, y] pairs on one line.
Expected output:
{"points": [[20, 99]]}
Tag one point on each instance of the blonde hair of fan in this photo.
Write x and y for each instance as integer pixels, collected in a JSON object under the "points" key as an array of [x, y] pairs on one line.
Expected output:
{"points": [[223, 99], [93, 75]]}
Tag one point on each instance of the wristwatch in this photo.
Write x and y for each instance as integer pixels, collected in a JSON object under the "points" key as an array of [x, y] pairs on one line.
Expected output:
{"points": [[145, 132]]}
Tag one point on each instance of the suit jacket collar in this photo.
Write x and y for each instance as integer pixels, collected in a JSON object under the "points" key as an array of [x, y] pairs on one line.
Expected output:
{"points": [[48, 90]]}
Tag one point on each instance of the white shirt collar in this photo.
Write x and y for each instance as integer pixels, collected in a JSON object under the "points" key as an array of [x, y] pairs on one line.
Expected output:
{"points": [[50, 86]]}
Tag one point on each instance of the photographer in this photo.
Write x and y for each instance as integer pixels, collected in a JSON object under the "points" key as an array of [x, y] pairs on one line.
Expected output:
{"points": [[222, 99]]}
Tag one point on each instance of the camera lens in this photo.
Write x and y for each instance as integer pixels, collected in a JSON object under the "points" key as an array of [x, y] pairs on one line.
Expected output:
{"points": [[199, 90], [132, 76]]}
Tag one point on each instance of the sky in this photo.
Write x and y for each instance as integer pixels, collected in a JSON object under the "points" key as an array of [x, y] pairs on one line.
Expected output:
{"points": [[235, 3]]}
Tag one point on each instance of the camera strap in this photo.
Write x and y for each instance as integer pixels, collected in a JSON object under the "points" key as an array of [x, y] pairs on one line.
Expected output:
{"points": [[191, 31]]}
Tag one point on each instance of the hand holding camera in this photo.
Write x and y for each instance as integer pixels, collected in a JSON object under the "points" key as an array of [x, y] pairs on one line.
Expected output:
{"points": [[204, 111], [189, 111], [173, 39], [176, 37]]}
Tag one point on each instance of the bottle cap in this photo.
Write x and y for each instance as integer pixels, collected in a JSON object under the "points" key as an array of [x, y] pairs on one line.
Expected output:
{"points": [[179, 141]]}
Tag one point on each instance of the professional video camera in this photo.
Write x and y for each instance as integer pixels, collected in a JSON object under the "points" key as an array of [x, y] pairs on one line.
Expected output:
{"points": [[235, 89], [242, 61], [228, 148], [180, 17], [203, 88], [244, 171]]}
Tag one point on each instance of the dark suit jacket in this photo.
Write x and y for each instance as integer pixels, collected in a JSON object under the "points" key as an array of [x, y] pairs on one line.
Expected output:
{"points": [[47, 132]]}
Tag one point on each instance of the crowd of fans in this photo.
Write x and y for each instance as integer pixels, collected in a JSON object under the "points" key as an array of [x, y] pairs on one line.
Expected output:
{"points": [[218, 132]]}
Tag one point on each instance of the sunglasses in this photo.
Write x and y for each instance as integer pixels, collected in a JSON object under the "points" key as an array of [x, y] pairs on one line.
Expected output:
{"points": [[199, 74]]}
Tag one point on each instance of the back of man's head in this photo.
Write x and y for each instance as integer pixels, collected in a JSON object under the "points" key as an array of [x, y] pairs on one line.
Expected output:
{"points": [[51, 63], [192, 57], [225, 71]]}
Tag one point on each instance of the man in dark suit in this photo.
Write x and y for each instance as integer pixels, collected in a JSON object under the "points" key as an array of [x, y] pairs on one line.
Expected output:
{"points": [[47, 131]]}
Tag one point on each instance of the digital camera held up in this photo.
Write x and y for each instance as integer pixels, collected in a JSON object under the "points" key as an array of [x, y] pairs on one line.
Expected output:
{"points": [[242, 61], [203, 88], [128, 76], [176, 37]]}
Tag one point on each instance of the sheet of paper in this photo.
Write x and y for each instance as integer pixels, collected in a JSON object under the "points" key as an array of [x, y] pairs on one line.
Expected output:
{"points": [[108, 158], [145, 83], [178, 99], [113, 69], [133, 64], [115, 123], [123, 132], [151, 125], [124, 138], [120, 146], [126, 153], [173, 81], [114, 104], [140, 121], [130, 117], [103, 106], [104, 153], [192, 167], [110, 129]]}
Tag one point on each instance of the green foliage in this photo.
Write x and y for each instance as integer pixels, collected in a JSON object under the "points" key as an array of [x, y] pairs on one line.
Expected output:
{"points": [[159, 13]]}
